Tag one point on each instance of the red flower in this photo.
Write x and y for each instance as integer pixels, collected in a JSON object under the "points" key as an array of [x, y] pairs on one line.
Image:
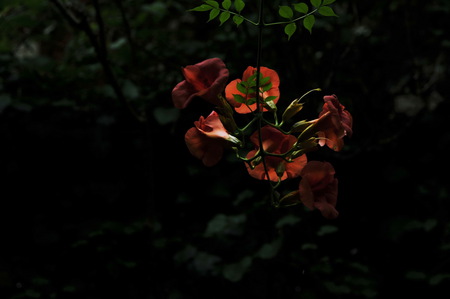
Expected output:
{"points": [[275, 142], [207, 139], [338, 125], [318, 188], [206, 79], [249, 105]]}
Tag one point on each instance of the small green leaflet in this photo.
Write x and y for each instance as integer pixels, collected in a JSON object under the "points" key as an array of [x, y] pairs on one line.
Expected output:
{"points": [[326, 11], [224, 16], [308, 22], [213, 14], [238, 20], [285, 12], [290, 29], [239, 5], [301, 7], [226, 4], [316, 3], [203, 7]]}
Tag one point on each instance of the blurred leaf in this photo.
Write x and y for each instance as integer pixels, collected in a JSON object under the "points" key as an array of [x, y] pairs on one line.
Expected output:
{"points": [[269, 250], [235, 272], [165, 115], [289, 219], [327, 229], [415, 275]]}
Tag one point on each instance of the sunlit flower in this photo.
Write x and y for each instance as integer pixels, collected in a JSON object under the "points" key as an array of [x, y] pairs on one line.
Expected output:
{"points": [[206, 79], [275, 142], [206, 141], [338, 124], [318, 188], [248, 100]]}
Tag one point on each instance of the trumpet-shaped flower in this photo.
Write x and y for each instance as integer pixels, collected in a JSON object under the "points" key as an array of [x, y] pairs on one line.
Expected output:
{"points": [[275, 142], [206, 141], [268, 91], [206, 79], [338, 125], [318, 188]]}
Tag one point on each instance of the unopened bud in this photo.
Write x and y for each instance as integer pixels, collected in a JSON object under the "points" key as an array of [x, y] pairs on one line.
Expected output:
{"points": [[293, 108], [280, 169]]}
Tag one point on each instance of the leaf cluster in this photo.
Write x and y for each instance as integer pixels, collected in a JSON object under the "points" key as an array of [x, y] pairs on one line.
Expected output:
{"points": [[223, 10], [319, 6]]}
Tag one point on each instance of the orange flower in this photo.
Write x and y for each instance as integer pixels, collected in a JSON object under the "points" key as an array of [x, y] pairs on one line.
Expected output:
{"points": [[206, 79], [338, 125], [275, 142], [247, 101], [318, 188], [207, 139]]}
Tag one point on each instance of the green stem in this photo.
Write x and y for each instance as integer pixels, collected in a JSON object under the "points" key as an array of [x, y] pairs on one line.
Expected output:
{"points": [[292, 21]]}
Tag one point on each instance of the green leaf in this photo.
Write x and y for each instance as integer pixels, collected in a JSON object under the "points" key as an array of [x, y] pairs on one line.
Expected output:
{"points": [[212, 3], [285, 12], [327, 2], [290, 29], [239, 5], [270, 98], [326, 11], [264, 81], [203, 7], [238, 20], [226, 4], [308, 22], [238, 98], [316, 3], [213, 14], [224, 16], [301, 7], [242, 87]]}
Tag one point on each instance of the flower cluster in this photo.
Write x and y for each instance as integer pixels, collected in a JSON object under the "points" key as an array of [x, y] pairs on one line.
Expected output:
{"points": [[276, 153]]}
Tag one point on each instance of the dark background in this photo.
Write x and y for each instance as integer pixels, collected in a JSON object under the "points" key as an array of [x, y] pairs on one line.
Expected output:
{"points": [[97, 204]]}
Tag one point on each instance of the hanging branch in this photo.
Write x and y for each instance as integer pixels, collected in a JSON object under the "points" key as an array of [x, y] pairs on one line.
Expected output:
{"points": [[79, 21]]}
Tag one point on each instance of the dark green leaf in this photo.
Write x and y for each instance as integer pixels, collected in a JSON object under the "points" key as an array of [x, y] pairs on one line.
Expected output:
{"points": [[238, 98], [264, 81], [224, 16], [270, 98], [327, 2], [267, 86], [308, 22], [327, 11], [285, 12], [301, 7], [213, 3], [242, 87], [226, 4], [213, 14], [316, 3], [203, 7], [239, 5], [290, 29]]}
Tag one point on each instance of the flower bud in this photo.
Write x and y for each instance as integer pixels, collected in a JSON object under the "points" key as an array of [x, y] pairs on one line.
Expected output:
{"points": [[293, 108]]}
